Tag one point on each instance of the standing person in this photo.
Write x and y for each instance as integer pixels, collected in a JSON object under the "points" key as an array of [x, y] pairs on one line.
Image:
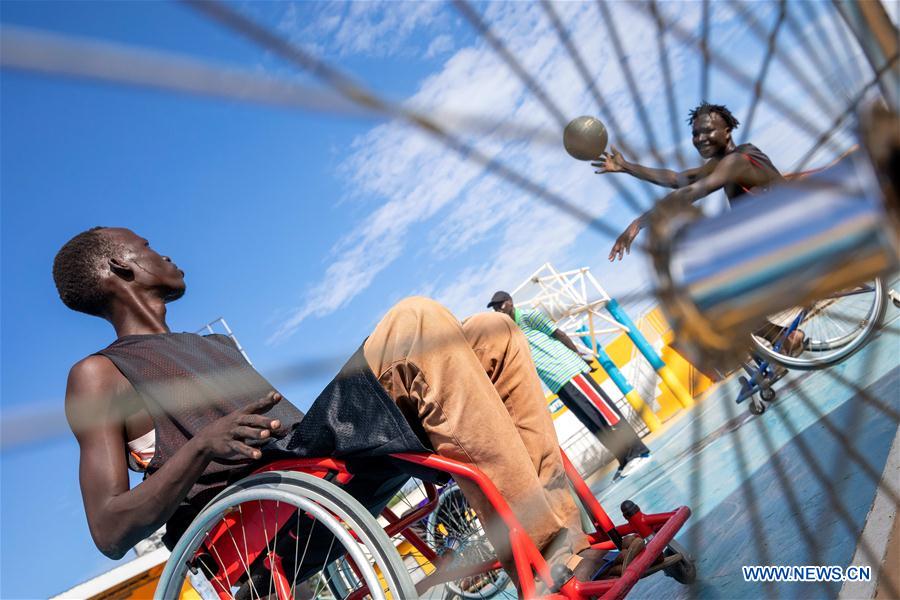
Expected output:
{"points": [[742, 170], [566, 373]]}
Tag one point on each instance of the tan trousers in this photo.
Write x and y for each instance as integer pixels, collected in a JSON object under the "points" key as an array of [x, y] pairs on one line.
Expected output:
{"points": [[475, 391]]}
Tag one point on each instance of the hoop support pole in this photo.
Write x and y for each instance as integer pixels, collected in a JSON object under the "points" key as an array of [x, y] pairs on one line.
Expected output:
{"points": [[669, 379]]}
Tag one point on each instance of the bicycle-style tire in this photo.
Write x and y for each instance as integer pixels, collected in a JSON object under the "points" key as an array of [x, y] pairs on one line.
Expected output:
{"points": [[825, 357], [334, 508]]}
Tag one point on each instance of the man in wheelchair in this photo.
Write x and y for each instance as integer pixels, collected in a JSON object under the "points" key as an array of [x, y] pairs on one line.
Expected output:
{"points": [[742, 171], [193, 415]]}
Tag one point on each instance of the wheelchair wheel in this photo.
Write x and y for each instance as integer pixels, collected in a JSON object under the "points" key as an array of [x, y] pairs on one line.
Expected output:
{"points": [[835, 328], [454, 528], [684, 571], [756, 406], [295, 521]]}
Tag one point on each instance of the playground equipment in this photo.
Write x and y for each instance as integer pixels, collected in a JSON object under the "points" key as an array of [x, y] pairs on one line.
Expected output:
{"points": [[582, 308], [213, 326]]}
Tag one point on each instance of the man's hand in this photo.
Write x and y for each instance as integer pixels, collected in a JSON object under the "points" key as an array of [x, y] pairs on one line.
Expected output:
{"points": [[623, 242], [610, 162], [234, 436]]}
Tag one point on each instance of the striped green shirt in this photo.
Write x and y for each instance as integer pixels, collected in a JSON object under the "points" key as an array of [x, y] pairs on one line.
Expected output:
{"points": [[555, 363]]}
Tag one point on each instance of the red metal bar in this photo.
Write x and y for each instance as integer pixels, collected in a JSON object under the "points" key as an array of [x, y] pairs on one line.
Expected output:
{"points": [[396, 523], [576, 590], [401, 525], [221, 588], [363, 590], [600, 541], [360, 593], [599, 516], [282, 588], [636, 520], [250, 529], [657, 520], [615, 589], [525, 553], [523, 565], [649, 555], [410, 536], [309, 465], [355, 568]]}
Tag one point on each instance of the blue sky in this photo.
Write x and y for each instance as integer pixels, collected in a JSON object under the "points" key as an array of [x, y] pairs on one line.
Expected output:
{"points": [[302, 228]]}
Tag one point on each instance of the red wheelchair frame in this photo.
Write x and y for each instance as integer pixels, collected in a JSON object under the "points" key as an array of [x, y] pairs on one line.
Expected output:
{"points": [[249, 525]]}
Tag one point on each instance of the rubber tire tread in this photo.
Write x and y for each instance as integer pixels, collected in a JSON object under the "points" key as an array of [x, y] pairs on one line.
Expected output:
{"points": [[390, 560], [851, 348]]}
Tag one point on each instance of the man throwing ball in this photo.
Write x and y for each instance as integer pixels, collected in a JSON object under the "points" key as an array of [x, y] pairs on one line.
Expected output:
{"points": [[741, 170]]}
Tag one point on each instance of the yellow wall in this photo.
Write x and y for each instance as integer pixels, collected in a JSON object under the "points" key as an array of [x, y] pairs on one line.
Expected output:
{"points": [[621, 350], [139, 587]]}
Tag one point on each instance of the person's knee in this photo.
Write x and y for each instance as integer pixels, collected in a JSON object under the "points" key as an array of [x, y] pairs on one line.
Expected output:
{"points": [[489, 319], [419, 305], [488, 324], [423, 314]]}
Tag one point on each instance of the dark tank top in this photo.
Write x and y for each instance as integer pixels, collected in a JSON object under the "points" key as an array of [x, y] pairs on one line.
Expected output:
{"points": [[761, 163], [188, 381]]}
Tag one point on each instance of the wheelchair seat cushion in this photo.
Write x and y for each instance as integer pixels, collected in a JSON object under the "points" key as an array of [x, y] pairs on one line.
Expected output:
{"points": [[353, 417]]}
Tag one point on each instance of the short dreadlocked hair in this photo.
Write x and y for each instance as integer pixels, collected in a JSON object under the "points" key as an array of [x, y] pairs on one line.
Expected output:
{"points": [[706, 108], [77, 268]]}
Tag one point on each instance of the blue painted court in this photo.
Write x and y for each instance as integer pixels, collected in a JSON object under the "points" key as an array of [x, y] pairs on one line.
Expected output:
{"points": [[790, 487]]}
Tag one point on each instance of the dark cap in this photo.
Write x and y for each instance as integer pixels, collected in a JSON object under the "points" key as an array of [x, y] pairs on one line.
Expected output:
{"points": [[499, 298]]}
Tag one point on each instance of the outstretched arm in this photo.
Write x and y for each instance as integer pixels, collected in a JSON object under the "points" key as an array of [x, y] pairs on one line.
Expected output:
{"points": [[728, 169], [119, 517], [614, 162]]}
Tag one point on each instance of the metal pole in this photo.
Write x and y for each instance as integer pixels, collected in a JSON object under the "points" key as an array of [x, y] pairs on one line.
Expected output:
{"points": [[672, 382], [877, 36]]}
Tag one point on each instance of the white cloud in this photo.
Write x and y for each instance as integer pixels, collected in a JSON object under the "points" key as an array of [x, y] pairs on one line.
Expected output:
{"points": [[417, 178], [376, 28], [475, 231], [439, 45]]}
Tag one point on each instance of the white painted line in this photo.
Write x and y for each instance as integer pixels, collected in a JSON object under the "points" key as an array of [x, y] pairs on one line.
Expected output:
{"points": [[877, 530]]}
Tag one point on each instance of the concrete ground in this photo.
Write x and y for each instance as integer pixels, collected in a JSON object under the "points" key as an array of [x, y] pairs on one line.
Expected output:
{"points": [[793, 486]]}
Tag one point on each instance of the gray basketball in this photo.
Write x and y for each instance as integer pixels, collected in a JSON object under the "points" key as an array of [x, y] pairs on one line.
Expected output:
{"points": [[585, 138]]}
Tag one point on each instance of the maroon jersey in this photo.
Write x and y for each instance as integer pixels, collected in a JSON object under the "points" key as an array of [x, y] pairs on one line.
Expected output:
{"points": [[766, 173], [188, 381]]}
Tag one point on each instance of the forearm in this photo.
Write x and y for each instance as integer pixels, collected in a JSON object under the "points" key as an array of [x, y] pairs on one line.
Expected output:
{"points": [[682, 197], [132, 516], [663, 177], [566, 341]]}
